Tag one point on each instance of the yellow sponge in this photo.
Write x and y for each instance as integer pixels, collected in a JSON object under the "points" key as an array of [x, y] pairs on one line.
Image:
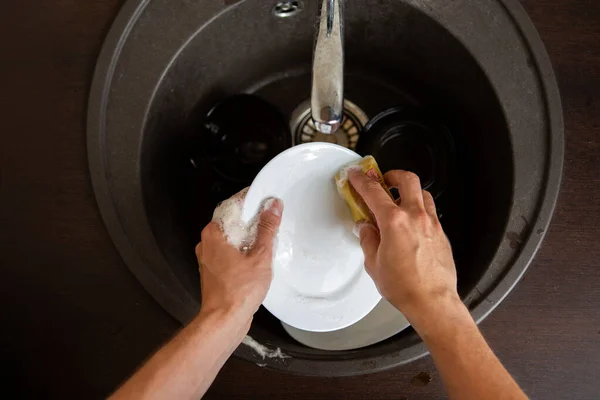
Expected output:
{"points": [[358, 208]]}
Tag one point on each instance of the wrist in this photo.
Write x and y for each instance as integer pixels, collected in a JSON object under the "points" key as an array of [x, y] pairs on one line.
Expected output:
{"points": [[230, 306], [215, 333], [225, 315], [433, 311]]}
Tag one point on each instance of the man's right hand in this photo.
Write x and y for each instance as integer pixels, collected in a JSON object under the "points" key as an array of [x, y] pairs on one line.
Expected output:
{"points": [[407, 254], [410, 259]]}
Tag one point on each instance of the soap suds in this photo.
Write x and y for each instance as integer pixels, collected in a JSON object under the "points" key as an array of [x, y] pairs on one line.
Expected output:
{"points": [[262, 350], [358, 227], [356, 230], [342, 176], [228, 215]]}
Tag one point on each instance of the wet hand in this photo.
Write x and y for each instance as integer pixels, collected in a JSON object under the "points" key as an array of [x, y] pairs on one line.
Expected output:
{"points": [[233, 279], [407, 254]]}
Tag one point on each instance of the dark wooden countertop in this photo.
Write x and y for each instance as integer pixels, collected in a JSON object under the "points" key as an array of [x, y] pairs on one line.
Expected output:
{"points": [[74, 320]]}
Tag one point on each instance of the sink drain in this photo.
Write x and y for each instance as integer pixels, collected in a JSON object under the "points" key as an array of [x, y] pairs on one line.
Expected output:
{"points": [[285, 9], [304, 131]]}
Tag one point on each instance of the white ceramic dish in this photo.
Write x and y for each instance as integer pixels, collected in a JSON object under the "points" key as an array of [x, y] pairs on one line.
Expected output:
{"points": [[380, 324], [319, 281]]}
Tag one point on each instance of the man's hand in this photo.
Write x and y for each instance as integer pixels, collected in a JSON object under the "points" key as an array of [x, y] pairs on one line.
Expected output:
{"points": [[234, 284], [410, 260], [237, 280], [407, 254]]}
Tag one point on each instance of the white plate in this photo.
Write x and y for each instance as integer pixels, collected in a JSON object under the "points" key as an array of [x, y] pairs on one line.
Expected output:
{"points": [[382, 323], [319, 281]]}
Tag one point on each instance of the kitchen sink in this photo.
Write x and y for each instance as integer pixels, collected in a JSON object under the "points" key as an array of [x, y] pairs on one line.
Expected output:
{"points": [[478, 66]]}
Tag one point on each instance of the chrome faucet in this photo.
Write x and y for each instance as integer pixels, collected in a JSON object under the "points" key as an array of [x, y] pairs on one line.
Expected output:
{"points": [[327, 98]]}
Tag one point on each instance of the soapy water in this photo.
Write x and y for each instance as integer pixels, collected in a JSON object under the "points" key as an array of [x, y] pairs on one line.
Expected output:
{"points": [[262, 350], [228, 215]]}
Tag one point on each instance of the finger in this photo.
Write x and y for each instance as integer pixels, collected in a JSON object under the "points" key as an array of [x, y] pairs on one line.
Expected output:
{"points": [[199, 252], [409, 187], [268, 224], [373, 194], [211, 231], [429, 204], [369, 242]]}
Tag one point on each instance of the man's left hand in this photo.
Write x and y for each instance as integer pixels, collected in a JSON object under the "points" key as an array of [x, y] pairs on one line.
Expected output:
{"points": [[234, 280]]}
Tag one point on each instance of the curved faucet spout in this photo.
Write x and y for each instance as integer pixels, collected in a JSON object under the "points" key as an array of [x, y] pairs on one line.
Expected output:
{"points": [[327, 98]]}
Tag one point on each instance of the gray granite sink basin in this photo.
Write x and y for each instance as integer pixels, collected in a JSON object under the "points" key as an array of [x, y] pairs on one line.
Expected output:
{"points": [[480, 64]]}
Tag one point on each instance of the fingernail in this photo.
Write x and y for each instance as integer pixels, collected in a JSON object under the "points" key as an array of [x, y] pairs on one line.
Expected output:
{"points": [[274, 205]]}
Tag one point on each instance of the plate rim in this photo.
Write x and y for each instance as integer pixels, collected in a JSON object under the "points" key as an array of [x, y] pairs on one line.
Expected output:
{"points": [[290, 330]]}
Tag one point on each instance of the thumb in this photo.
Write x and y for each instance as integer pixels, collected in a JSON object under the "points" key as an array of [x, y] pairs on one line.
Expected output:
{"points": [[369, 241], [268, 224]]}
